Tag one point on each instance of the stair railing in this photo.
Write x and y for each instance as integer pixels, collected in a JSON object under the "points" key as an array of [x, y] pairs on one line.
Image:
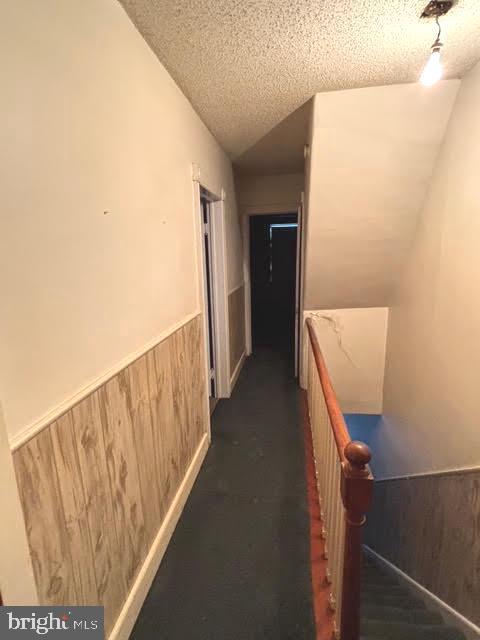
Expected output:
{"points": [[345, 486]]}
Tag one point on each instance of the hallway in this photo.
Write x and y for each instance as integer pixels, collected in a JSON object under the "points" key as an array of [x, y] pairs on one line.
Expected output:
{"points": [[238, 565]]}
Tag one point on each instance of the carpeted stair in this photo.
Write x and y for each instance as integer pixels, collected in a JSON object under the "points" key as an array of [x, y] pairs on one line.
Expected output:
{"points": [[389, 611]]}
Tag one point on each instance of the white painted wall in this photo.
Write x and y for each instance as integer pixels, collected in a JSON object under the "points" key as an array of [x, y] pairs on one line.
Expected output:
{"points": [[353, 344], [433, 354], [372, 156], [93, 123], [256, 194]]}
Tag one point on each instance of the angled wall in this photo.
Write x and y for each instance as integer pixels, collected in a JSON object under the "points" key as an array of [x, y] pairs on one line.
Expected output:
{"points": [[428, 447], [431, 384], [372, 156]]}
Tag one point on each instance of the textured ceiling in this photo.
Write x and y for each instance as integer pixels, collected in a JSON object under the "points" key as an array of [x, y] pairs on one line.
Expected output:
{"points": [[247, 64]]}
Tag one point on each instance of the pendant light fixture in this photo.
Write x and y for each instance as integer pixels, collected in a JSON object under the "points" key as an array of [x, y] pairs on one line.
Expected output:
{"points": [[433, 70]]}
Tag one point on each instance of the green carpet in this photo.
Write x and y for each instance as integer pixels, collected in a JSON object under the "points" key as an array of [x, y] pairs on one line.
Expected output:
{"points": [[389, 611], [238, 564]]}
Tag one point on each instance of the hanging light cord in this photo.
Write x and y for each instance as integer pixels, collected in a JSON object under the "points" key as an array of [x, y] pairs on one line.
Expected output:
{"points": [[437, 42]]}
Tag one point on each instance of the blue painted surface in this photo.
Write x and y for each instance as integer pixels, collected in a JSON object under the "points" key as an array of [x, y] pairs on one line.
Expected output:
{"points": [[363, 427]]}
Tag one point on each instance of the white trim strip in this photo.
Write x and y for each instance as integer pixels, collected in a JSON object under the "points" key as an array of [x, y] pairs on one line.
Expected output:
{"points": [[450, 611], [236, 373], [44, 421], [239, 286], [426, 474], [133, 604]]}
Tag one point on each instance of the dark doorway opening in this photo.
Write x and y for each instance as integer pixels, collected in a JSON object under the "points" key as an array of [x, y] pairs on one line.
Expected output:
{"points": [[273, 269], [205, 203]]}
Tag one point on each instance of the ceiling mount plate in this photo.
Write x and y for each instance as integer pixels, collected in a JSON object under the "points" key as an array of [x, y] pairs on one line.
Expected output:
{"points": [[437, 8]]}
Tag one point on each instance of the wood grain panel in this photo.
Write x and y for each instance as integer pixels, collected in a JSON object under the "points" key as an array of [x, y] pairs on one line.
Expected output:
{"points": [[163, 421], [195, 371], [141, 418], [115, 409], [96, 483], [45, 522], [182, 414], [111, 586], [74, 509], [236, 322], [428, 527]]}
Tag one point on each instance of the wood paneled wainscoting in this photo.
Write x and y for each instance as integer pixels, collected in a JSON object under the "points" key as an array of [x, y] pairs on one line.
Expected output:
{"points": [[236, 321], [100, 487], [428, 527]]}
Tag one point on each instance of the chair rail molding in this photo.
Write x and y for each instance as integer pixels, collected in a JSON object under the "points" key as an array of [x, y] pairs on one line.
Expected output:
{"points": [[32, 429]]}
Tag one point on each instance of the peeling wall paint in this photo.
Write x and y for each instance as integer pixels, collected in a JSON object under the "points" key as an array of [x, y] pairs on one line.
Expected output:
{"points": [[353, 345]]}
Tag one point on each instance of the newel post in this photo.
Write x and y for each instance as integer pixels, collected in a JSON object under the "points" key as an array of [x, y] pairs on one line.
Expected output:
{"points": [[357, 491]]}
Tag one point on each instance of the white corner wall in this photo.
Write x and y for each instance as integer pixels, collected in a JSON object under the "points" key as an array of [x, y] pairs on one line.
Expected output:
{"points": [[433, 353], [98, 241], [353, 344], [372, 155]]}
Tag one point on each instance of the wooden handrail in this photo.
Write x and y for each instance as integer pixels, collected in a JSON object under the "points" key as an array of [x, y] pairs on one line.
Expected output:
{"points": [[356, 493], [337, 421]]}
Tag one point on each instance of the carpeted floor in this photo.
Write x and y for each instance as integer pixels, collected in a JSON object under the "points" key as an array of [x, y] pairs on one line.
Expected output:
{"points": [[238, 566]]}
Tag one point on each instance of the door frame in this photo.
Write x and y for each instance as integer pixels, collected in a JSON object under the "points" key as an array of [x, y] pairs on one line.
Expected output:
{"points": [[301, 235], [219, 285], [265, 211]]}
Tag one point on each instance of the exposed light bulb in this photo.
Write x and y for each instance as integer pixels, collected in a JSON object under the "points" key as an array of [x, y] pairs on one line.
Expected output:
{"points": [[433, 70]]}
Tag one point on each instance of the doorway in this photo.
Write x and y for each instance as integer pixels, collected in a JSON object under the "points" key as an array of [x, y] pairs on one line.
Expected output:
{"points": [[210, 221], [208, 275], [273, 279]]}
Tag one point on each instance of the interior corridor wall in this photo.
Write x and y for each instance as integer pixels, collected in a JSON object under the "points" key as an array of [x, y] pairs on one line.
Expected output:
{"points": [[98, 247], [258, 193], [100, 332], [98, 240], [433, 348], [428, 447], [353, 345], [372, 154]]}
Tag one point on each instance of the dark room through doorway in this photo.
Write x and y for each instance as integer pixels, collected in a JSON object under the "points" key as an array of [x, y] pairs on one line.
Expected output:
{"points": [[273, 274]]}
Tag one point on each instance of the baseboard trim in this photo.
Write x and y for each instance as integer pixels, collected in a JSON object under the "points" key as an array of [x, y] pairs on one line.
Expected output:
{"points": [[471, 631], [141, 586], [429, 474], [236, 373]]}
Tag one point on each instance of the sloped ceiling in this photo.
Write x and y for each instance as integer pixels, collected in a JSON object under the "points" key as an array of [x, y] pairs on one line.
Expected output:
{"points": [[281, 151], [372, 157], [247, 64]]}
